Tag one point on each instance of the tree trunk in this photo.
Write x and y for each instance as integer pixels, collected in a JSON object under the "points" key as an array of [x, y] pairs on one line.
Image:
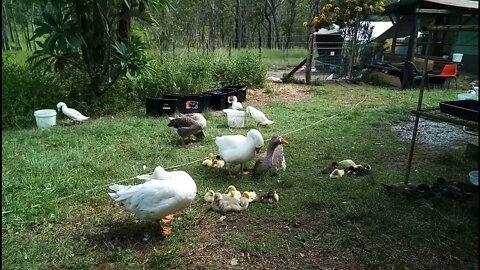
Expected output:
{"points": [[237, 24], [33, 26], [12, 39], [5, 43], [212, 36], [124, 24], [269, 25], [18, 47]]}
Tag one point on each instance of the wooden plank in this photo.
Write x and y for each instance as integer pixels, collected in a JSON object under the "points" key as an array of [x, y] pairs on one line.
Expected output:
{"points": [[453, 28], [433, 11], [297, 67]]}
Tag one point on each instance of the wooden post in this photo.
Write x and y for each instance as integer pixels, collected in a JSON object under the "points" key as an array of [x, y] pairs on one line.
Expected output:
{"points": [[413, 37], [352, 61], [308, 64], [395, 33], [419, 107]]}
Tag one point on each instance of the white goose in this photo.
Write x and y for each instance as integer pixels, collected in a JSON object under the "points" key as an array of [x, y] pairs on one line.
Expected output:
{"points": [[71, 113], [238, 149], [236, 105], [258, 116], [159, 198]]}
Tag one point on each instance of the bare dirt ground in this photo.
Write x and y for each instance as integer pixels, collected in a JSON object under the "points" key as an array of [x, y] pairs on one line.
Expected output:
{"points": [[287, 92]]}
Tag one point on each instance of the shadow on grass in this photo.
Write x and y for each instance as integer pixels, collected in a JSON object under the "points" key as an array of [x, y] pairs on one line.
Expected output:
{"points": [[126, 235]]}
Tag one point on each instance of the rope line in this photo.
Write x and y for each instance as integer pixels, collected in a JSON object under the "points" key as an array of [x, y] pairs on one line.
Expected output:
{"points": [[198, 160]]}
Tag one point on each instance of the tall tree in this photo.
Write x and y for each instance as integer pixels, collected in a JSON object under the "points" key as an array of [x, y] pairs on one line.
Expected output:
{"points": [[84, 34]]}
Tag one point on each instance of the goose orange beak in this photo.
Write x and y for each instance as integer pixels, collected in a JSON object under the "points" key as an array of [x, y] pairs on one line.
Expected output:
{"points": [[283, 141]]}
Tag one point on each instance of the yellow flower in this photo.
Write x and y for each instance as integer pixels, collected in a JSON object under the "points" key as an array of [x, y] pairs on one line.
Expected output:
{"points": [[337, 10], [382, 9], [370, 7], [358, 9], [305, 24]]}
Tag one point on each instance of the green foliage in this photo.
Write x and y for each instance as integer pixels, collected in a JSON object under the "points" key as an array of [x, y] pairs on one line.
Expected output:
{"points": [[130, 60], [25, 90], [248, 70]]}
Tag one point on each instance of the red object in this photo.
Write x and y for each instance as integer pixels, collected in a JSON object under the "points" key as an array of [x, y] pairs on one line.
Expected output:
{"points": [[449, 71]]}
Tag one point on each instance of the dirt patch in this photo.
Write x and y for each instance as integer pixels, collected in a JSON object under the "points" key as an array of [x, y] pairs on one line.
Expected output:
{"points": [[286, 92], [214, 249]]}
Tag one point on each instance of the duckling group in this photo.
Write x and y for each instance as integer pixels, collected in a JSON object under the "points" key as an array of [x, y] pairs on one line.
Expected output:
{"points": [[234, 201], [338, 169]]}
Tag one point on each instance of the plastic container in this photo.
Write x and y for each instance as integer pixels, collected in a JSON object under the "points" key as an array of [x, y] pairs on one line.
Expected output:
{"points": [[465, 109], [160, 106], [235, 119], [474, 177], [218, 100], [457, 57], [188, 103], [467, 96], [45, 118]]}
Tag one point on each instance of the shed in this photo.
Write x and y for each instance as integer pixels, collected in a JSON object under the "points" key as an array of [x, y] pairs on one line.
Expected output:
{"points": [[411, 17]]}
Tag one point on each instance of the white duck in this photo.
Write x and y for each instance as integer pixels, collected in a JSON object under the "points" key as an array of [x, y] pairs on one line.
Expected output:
{"points": [[71, 113], [161, 174], [236, 105], [157, 199], [238, 149], [258, 116]]}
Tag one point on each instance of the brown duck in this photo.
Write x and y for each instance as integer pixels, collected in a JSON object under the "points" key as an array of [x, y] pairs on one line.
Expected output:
{"points": [[185, 127], [274, 161]]}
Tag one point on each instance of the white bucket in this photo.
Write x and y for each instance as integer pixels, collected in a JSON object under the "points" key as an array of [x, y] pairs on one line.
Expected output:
{"points": [[45, 118], [236, 119], [457, 57]]}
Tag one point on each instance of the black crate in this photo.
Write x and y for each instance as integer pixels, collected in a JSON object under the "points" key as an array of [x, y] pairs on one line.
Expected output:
{"points": [[465, 109], [240, 91], [160, 106], [188, 103], [218, 99]]}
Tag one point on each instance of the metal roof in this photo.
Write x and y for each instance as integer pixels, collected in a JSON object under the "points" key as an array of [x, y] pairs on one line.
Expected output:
{"points": [[406, 6]]}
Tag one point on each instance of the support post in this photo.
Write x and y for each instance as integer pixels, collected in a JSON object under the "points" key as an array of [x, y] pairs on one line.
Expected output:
{"points": [[413, 37], [352, 61], [308, 64], [419, 107]]}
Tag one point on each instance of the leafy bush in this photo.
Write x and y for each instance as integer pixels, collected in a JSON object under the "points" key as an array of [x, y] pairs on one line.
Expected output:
{"points": [[26, 90], [246, 69]]}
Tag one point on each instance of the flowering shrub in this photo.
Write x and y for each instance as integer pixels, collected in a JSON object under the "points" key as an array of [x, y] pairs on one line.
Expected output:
{"points": [[344, 13]]}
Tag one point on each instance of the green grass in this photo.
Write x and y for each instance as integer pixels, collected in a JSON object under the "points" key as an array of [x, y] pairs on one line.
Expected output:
{"points": [[55, 183]]}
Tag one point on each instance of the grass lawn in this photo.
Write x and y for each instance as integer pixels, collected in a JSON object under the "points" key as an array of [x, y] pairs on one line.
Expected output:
{"points": [[55, 183]]}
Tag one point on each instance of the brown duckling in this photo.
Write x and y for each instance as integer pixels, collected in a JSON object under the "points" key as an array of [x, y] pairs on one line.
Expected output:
{"points": [[270, 197], [274, 161], [225, 204]]}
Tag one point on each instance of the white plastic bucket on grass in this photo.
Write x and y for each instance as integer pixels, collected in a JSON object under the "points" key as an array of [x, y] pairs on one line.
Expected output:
{"points": [[457, 57], [45, 118], [235, 119]]}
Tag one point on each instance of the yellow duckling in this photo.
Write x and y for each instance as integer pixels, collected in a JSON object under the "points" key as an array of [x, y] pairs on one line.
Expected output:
{"points": [[250, 196], [209, 161], [208, 197], [218, 162], [232, 190]]}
